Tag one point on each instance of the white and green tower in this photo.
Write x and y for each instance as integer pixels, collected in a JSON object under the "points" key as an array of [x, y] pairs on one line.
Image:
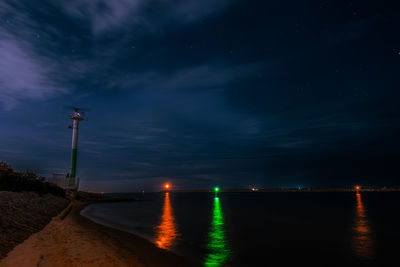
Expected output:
{"points": [[75, 117]]}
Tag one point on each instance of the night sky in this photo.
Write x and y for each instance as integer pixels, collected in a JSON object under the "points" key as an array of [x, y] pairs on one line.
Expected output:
{"points": [[203, 92]]}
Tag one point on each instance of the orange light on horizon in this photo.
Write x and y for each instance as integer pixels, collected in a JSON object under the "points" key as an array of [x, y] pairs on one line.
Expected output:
{"points": [[167, 186], [357, 187]]}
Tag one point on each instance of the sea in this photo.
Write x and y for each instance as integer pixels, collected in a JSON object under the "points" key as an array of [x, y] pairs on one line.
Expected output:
{"points": [[264, 228]]}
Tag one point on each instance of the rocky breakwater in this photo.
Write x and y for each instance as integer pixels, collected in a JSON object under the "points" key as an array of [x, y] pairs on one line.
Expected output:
{"points": [[27, 204]]}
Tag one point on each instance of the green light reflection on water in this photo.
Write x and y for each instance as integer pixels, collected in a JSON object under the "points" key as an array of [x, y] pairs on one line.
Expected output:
{"points": [[217, 244]]}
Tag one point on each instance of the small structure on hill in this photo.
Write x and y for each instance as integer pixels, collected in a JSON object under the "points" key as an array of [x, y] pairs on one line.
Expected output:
{"points": [[65, 181]]}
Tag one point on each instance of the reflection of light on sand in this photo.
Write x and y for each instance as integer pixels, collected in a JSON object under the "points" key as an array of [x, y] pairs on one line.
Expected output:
{"points": [[166, 231], [362, 233], [217, 244]]}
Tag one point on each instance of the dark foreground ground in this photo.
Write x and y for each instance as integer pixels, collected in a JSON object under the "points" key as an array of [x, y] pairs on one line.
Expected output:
{"points": [[70, 239], [25, 213]]}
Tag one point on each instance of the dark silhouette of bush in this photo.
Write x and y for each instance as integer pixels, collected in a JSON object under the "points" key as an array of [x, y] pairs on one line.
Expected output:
{"points": [[11, 180]]}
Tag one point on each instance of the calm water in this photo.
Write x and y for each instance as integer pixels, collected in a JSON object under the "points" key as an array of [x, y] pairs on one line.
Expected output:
{"points": [[264, 229]]}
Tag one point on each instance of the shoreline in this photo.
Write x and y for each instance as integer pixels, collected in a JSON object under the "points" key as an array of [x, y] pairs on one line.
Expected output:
{"points": [[286, 190], [71, 239]]}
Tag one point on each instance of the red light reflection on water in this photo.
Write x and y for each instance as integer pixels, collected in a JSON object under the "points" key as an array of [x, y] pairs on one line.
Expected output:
{"points": [[362, 243], [166, 232]]}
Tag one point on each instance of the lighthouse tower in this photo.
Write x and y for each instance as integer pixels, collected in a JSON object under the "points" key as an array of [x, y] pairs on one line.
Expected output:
{"points": [[75, 117]]}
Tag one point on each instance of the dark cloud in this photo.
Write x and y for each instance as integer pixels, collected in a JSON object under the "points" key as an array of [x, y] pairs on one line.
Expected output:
{"points": [[202, 92], [151, 16]]}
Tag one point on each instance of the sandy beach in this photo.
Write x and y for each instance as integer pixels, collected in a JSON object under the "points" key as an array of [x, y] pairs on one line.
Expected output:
{"points": [[72, 240]]}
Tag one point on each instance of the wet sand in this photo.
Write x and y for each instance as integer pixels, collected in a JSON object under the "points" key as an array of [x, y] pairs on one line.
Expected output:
{"points": [[73, 240]]}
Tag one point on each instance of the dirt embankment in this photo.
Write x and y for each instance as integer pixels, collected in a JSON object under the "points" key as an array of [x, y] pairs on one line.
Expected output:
{"points": [[71, 240], [25, 213]]}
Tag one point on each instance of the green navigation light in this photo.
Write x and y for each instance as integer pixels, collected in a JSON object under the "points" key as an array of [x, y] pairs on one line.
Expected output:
{"points": [[217, 245], [216, 189]]}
